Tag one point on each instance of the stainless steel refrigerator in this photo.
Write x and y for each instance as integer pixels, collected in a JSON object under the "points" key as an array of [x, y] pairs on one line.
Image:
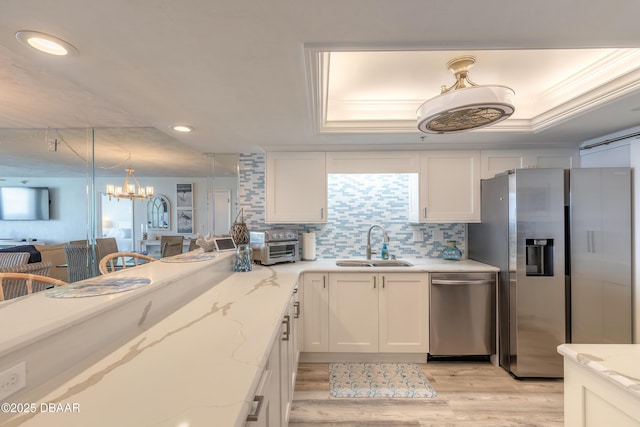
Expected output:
{"points": [[526, 231]]}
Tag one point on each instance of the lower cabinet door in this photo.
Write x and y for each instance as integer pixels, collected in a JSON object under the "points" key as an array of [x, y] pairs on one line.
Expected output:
{"points": [[266, 410], [404, 313], [315, 309], [353, 312]]}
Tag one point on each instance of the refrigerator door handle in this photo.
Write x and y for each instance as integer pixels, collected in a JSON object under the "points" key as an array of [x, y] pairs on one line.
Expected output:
{"points": [[462, 282], [591, 243]]}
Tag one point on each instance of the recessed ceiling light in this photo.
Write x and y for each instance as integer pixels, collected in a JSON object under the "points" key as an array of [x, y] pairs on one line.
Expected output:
{"points": [[182, 128], [46, 43]]}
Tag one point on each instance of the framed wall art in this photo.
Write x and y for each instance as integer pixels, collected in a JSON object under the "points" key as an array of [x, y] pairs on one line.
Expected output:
{"points": [[185, 221], [184, 205], [184, 196]]}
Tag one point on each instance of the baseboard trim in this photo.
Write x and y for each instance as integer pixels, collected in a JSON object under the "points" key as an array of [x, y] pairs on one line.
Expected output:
{"points": [[308, 357]]}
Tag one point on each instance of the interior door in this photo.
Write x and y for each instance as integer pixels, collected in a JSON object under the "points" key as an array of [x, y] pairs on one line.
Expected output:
{"points": [[116, 220], [221, 212]]}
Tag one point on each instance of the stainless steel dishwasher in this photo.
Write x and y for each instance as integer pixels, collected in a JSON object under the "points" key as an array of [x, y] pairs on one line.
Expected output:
{"points": [[462, 314]]}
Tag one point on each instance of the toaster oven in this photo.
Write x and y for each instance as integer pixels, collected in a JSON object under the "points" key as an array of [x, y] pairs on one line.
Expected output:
{"points": [[274, 246]]}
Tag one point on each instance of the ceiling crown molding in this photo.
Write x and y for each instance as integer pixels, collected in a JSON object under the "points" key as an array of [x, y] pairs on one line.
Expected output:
{"points": [[612, 76]]}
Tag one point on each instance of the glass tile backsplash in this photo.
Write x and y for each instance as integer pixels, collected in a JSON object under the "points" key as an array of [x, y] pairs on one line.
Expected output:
{"points": [[355, 203]]}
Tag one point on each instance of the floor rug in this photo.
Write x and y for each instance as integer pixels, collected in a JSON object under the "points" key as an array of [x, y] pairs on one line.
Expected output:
{"points": [[378, 380]]}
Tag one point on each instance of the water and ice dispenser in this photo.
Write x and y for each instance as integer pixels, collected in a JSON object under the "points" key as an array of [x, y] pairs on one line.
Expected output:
{"points": [[539, 255]]}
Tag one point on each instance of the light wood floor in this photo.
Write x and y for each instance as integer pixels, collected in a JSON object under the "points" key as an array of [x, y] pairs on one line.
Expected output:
{"points": [[469, 394]]}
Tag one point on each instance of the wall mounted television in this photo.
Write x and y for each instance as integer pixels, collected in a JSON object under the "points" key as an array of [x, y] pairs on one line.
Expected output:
{"points": [[24, 203]]}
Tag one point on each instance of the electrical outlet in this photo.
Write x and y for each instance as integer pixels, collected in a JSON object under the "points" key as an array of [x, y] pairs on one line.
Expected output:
{"points": [[418, 236], [437, 235], [13, 379]]}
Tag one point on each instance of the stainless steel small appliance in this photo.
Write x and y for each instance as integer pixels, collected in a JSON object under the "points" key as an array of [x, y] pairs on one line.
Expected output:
{"points": [[274, 246]]}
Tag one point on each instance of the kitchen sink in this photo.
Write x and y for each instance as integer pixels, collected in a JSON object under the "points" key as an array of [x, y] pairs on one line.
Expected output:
{"points": [[372, 263]]}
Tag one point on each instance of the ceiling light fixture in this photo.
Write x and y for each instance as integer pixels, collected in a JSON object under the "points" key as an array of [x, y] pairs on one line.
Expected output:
{"points": [[45, 43], [182, 128], [129, 190], [465, 105]]}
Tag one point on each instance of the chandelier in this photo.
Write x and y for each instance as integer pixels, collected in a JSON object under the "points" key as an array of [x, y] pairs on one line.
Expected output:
{"points": [[465, 105], [131, 188]]}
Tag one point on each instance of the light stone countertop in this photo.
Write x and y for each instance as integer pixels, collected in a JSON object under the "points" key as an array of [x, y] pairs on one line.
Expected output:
{"points": [[198, 365], [419, 265], [616, 363]]}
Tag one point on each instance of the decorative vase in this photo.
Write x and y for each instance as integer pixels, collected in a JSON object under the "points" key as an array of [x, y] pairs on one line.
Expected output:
{"points": [[239, 230], [243, 260], [451, 251]]}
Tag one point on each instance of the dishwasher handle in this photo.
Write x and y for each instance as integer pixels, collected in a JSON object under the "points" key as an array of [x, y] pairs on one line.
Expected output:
{"points": [[463, 282]]}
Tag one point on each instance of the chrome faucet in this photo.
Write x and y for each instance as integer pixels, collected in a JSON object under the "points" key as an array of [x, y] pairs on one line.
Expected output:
{"points": [[386, 239]]}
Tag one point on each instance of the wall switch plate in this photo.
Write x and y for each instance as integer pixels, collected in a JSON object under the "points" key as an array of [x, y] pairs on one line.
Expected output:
{"points": [[13, 379], [437, 235], [418, 236]]}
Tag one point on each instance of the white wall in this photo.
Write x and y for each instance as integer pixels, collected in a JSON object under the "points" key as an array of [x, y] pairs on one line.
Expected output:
{"points": [[70, 208], [606, 156], [68, 212]]}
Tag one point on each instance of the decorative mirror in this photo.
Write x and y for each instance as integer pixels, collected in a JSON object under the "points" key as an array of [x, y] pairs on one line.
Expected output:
{"points": [[158, 213]]}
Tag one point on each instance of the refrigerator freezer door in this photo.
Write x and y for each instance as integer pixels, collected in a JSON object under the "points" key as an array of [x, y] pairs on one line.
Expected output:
{"points": [[538, 323]]}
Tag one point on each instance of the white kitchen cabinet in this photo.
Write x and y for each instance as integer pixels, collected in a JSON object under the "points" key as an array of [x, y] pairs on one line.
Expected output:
{"points": [[499, 161], [590, 399], [289, 354], [403, 313], [296, 188], [266, 410], [447, 189], [353, 312], [378, 312], [315, 312], [274, 394]]}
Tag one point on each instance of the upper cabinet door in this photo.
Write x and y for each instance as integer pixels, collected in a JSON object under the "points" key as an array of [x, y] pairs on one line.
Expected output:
{"points": [[296, 188], [449, 187]]}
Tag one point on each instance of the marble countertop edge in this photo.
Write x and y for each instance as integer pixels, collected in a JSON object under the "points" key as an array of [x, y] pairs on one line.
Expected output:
{"points": [[615, 363]]}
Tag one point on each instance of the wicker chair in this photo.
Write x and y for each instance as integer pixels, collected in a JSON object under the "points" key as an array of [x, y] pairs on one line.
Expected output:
{"points": [[110, 262], [106, 246], [80, 264], [16, 288], [10, 259], [171, 245], [13, 285], [40, 268]]}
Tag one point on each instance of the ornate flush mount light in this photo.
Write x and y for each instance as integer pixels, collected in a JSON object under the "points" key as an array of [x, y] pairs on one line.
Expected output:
{"points": [[465, 105]]}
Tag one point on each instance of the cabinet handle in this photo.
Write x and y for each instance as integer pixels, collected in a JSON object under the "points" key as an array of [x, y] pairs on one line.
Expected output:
{"points": [[374, 282], [296, 309], [256, 412], [382, 282], [321, 213], [287, 331], [424, 215], [324, 282]]}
